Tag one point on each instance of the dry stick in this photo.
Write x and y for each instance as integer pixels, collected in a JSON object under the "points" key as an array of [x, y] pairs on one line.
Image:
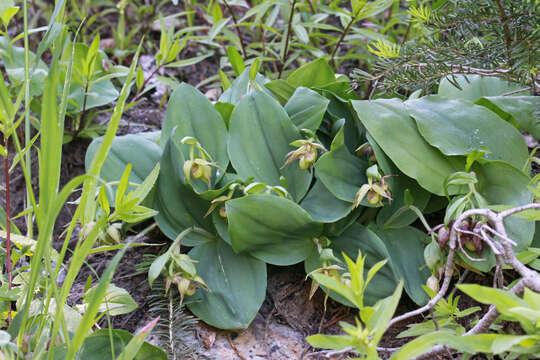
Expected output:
{"points": [[238, 32], [531, 278], [8, 220], [289, 27], [236, 350]]}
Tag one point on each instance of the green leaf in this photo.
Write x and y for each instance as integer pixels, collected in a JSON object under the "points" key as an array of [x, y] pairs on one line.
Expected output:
{"points": [[314, 74], [397, 134], [333, 342], [271, 228], [501, 183], [260, 132], [117, 301], [474, 87], [397, 214], [323, 206], [191, 61], [236, 60], [342, 173], [241, 87], [190, 113], [157, 266], [355, 238], [384, 312], [425, 342], [458, 127], [521, 111], [237, 284], [503, 300], [406, 249], [14, 66], [178, 205], [254, 70], [142, 153], [281, 89], [225, 110], [306, 108]]}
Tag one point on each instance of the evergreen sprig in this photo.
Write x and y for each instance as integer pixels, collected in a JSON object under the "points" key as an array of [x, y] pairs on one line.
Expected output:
{"points": [[487, 37]]}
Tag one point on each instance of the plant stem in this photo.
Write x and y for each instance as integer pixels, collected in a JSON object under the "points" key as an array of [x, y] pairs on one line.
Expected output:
{"points": [[507, 35], [285, 50], [238, 32], [27, 127], [338, 44], [8, 220], [145, 83]]}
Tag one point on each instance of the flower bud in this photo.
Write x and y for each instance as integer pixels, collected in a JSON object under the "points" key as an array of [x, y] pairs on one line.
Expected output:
{"points": [[311, 156], [303, 163], [197, 170], [183, 285], [223, 212], [433, 283], [373, 197], [432, 255], [443, 236]]}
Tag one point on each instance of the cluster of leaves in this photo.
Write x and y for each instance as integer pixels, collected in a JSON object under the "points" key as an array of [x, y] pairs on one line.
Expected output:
{"points": [[298, 169]]}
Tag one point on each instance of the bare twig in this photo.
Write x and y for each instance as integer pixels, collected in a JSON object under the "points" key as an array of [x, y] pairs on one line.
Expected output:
{"points": [[531, 278], [238, 32], [289, 29]]}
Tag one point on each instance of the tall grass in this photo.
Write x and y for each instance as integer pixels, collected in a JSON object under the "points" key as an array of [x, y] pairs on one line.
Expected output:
{"points": [[44, 328]]}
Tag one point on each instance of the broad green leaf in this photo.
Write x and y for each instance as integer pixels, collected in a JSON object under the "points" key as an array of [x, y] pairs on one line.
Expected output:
{"points": [[271, 228], [190, 113], [474, 87], [323, 206], [314, 74], [98, 345], [396, 214], [501, 183], [142, 153], [521, 111], [260, 132], [13, 58], [281, 89], [117, 301], [225, 110], [338, 109], [406, 249], [396, 133], [179, 207], [99, 94], [355, 238], [241, 87], [237, 286], [458, 127], [342, 173], [306, 108]]}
